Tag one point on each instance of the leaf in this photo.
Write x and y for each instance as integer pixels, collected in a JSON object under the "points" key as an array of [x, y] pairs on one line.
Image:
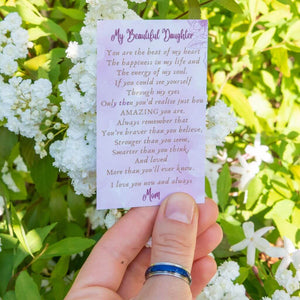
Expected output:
{"points": [[26, 288], [27, 151], [264, 40], [280, 59], [77, 206], [241, 106], [35, 63], [10, 295], [208, 188], [20, 183], [230, 5], [233, 232], [194, 9], [29, 13], [36, 33], [163, 8], [19, 230], [283, 208], [44, 175], [74, 13], [6, 269], [58, 206], [244, 271], [37, 236], [68, 246], [287, 229], [7, 142], [179, 4], [255, 188], [293, 31], [8, 241], [51, 27], [224, 186], [61, 268]]}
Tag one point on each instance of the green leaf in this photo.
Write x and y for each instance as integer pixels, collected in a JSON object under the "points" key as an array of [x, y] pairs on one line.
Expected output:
{"points": [[35, 63], [255, 188], [287, 229], [20, 183], [26, 288], [280, 59], [194, 9], [293, 31], [68, 246], [7, 142], [230, 5], [179, 4], [224, 186], [8, 241], [264, 40], [36, 33], [77, 14], [163, 8], [233, 232], [19, 230], [208, 188], [6, 269], [244, 272], [37, 236], [29, 13], [77, 206], [241, 106], [27, 151], [51, 27], [282, 208], [61, 268], [58, 206], [44, 175], [10, 295]]}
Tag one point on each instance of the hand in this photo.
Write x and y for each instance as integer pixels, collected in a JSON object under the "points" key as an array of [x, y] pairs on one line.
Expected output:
{"points": [[182, 232]]}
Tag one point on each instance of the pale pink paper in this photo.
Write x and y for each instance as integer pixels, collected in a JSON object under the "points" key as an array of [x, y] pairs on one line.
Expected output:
{"points": [[136, 178]]}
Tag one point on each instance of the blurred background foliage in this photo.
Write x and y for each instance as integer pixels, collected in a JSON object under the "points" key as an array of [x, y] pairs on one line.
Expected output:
{"points": [[253, 65]]}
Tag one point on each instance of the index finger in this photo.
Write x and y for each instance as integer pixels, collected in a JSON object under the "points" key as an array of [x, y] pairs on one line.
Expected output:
{"points": [[107, 263]]}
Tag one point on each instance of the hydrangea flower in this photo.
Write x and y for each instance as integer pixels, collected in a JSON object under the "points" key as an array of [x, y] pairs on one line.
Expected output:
{"points": [[252, 241]]}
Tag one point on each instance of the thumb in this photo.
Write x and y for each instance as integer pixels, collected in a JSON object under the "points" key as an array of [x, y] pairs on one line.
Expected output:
{"points": [[173, 240]]}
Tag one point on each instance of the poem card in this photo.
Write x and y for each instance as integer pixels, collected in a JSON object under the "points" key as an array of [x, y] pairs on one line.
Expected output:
{"points": [[151, 99]]}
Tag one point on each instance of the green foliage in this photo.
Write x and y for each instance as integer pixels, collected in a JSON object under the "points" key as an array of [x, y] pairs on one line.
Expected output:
{"points": [[253, 65]]}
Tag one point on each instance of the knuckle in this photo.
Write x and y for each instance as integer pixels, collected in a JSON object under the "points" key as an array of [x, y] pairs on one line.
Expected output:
{"points": [[173, 244]]}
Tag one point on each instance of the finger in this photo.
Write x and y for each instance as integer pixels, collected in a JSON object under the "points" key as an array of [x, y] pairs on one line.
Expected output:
{"points": [[134, 277], [173, 240], [208, 214], [208, 240], [110, 257], [203, 270]]}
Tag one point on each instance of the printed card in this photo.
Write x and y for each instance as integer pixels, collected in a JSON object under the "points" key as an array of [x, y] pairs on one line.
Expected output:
{"points": [[151, 99]]}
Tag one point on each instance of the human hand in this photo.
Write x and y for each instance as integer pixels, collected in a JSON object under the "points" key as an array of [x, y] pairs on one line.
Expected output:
{"points": [[182, 233]]}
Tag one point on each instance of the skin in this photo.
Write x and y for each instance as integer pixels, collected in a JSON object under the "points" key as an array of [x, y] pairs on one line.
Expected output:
{"points": [[115, 268]]}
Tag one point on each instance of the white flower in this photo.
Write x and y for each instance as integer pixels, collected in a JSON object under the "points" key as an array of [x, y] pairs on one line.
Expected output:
{"points": [[259, 152], [289, 255], [96, 217], [8, 180], [20, 165], [72, 51], [280, 295], [212, 174], [229, 270], [246, 170], [2, 206], [252, 241]]}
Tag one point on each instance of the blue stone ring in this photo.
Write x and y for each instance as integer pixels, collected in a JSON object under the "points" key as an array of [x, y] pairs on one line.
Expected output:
{"points": [[170, 269]]}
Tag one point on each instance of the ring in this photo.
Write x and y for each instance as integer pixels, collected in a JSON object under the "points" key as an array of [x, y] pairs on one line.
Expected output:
{"points": [[170, 269]]}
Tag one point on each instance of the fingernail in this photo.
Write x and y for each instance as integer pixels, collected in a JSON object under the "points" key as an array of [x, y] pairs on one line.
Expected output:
{"points": [[180, 208]]}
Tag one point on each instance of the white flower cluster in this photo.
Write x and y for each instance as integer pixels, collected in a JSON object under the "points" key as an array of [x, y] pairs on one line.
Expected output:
{"points": [[76, 153], [13, 43], [281, 295], [286, 279], [24, 106], [102, 218], [221, 287], [220, 122]]}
